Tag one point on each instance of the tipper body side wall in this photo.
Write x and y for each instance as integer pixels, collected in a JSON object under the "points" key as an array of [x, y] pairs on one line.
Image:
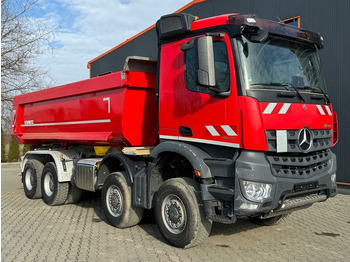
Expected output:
{"points": [[91, 112]]}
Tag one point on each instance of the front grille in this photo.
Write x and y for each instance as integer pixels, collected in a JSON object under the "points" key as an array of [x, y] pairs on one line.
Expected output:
{"points": [[300, 165], [322, 139]]}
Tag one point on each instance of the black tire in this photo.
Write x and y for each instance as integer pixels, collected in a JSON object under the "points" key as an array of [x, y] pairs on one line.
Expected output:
{"points": [[54, 193], [32, 178], [117, 202], [180, 214], [268, 221], [74, 194]]}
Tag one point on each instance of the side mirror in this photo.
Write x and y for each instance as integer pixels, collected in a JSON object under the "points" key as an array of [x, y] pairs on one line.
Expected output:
{"points": [[206, 65]]}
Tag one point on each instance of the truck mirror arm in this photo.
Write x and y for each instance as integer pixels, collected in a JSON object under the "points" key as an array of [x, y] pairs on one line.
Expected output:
{"points": [[255, 34], [188, 45]]}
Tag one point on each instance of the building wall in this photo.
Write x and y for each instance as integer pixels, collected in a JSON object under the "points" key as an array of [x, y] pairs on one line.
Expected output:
{"points": [[144, 45], [330, 18]]}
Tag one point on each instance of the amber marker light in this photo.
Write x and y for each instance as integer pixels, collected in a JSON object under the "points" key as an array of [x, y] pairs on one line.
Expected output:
{"points": [[197, 173]]}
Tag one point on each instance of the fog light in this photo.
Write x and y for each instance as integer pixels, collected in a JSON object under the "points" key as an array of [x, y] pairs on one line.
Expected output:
{"points": [[256, 191], [248, 206], [334, 179]]}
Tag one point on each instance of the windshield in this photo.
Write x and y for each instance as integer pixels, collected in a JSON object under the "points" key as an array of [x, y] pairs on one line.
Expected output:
{"points": [[280, 64]]}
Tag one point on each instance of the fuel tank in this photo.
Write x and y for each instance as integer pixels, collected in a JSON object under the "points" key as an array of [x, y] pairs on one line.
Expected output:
{"points": [[114, 109]]}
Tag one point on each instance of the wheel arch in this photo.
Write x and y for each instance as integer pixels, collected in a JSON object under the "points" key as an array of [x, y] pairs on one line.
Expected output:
{"points": [[194, 155], [63, 159], [115, 162]]}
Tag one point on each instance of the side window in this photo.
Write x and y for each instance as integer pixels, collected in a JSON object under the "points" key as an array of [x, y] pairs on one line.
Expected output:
{"points": [[222, 69]]}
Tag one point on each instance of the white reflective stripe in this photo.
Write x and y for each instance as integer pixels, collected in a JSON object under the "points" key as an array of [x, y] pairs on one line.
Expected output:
{"points": [[328, 110], [108, 99], [212, 131], [320, 109], [70, 123], [284, 108], [198, 140], [269, 108], [228, 130]]}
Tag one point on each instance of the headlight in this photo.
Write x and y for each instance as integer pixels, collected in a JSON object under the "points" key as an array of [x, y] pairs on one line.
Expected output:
{"points": [[256, 191]]}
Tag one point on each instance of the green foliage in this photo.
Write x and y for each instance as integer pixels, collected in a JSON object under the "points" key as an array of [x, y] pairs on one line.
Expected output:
{"points": [[13, 151], [26, 148], [3, 153]]}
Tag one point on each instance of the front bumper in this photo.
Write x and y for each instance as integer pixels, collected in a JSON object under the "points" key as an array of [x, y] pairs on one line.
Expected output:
{"points": [[290, 192]]}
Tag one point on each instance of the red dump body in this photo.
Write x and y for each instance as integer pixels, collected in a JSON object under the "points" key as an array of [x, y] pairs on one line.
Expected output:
{"points": [[115, 109]]}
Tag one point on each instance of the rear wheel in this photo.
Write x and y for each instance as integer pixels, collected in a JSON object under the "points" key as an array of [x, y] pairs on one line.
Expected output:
{"points": [[74, 194], [32, 178], [54, 192], [179, 213], [268, 221], [117, 202]]}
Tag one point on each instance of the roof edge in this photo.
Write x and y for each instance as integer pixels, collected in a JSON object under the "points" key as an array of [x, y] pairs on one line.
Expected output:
{"points": [[193, 2]]}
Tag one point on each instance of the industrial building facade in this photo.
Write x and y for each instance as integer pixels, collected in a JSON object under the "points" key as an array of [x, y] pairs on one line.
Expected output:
{"points": [[329, 18]]}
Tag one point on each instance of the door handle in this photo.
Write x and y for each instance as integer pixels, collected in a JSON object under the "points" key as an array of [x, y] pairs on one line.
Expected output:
{"points": [[185, 131]]}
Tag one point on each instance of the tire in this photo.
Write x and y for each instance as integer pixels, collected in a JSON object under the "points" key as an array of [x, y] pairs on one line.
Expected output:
{"points": [[180, 214], [268, 221], [74, 194], [117, 202], [32, 178], [54, 193]]}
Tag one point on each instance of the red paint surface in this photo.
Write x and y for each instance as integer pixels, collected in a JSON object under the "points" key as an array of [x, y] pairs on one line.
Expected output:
{"points": [[182, 107], [297, 117], [78, 112], [253, 128]]}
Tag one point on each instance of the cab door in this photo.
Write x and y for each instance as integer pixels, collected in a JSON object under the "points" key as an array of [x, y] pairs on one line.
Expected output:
{"points": [[208, 115]]}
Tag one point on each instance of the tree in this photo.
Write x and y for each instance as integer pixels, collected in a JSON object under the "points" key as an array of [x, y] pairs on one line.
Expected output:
{"points": [[13, 151], [23, 39], [3, 147], [26, 148]]}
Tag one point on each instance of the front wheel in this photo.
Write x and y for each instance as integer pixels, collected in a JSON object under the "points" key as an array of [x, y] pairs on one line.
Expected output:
{"points": [[54, 192], [179, 213], [117, 202]]}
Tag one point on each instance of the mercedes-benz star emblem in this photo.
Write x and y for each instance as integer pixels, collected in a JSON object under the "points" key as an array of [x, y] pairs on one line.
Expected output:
{"points": [[305, 139]]}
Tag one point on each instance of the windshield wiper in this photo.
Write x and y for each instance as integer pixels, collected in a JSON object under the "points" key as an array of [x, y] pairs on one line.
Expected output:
{"points": [[282, 85], [322, 92], [270, 84], [297, 92]]}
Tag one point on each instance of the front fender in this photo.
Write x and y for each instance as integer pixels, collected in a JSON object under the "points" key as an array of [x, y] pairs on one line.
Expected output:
{"points": [[193, 154]]}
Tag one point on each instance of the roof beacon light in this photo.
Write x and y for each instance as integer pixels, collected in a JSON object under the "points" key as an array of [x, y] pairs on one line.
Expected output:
{"points": [[251, 20]]}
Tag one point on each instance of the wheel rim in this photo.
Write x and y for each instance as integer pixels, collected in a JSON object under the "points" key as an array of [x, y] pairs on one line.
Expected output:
{"points": [[48, 184], [114, 200], [29, 179], [174, 214]]}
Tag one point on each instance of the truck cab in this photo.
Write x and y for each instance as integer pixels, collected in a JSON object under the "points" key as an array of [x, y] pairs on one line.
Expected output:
{"points": [[250, 93]]}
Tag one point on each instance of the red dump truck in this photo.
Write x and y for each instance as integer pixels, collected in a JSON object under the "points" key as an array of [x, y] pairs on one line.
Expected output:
{"points": [[232, 120]]}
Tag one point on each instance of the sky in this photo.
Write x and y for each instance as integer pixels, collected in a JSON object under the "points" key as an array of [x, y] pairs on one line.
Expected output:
{"points": [[88, 28]]}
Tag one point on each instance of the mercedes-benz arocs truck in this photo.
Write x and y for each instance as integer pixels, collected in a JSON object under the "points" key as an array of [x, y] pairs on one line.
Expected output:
{"points": [[232, 120]]}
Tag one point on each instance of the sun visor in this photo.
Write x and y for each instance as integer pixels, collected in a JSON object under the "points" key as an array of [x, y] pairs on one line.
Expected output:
{"points": [[173, 25]]}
